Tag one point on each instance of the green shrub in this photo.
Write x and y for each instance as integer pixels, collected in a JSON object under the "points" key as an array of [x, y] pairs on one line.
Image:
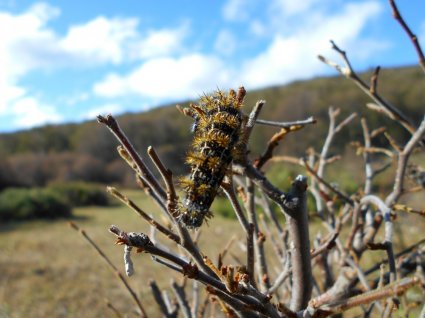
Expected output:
{"points": [[82, 193], [221, 206], [23, 204]]}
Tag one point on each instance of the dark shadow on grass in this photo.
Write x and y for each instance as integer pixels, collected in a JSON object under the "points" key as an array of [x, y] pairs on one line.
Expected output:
{"points": [[8, 226]]}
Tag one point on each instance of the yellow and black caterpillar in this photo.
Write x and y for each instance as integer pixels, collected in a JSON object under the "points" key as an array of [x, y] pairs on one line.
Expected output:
{"points": [[216, 131]]}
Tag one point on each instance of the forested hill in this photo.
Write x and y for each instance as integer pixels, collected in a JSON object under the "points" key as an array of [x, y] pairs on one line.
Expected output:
{"points": [[88, 150]]}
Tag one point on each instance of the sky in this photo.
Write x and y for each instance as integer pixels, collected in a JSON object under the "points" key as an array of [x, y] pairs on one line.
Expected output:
{"points": [[68, 61]]}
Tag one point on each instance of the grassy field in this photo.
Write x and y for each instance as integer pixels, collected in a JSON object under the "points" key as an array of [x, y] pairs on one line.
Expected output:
{"points": [[48, 270]]}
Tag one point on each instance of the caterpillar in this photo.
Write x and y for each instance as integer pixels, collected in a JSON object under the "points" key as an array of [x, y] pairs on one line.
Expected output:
{"points": [[217, 129]]}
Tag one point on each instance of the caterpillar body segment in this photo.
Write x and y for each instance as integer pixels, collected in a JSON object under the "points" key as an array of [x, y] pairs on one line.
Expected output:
{"points": [[216, 131]]}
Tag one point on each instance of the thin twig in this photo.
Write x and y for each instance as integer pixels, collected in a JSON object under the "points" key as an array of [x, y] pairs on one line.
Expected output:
{"points": [[329, 244], [250, 253], [113, 309], [259, 238], [398, 255], [252, 119], [113, 267], [230, 192], [342, 196], [142, 243], [391, 111], [405, 208], [374, 80], [261, 181], [195, 299], [413, 38], [143, 214], [389, 231], [273, 143], [395, 289], [159, 299], [403, 158], [142, 169], [167, 176], [284, 274], [366, 157], [287, 124], [182, 300]]}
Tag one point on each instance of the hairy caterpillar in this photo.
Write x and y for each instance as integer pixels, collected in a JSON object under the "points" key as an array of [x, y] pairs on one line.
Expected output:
{"points": [[216, 131]]}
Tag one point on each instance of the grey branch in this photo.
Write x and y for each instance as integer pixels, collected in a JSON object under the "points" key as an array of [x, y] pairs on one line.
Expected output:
{"points": [[287, 124]]}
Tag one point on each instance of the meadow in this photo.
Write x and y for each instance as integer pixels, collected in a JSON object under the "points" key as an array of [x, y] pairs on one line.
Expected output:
{"points": [[49, 270]]}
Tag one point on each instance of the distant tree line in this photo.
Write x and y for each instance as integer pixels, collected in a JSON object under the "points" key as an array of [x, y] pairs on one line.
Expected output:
{"points": [[62, 153]]}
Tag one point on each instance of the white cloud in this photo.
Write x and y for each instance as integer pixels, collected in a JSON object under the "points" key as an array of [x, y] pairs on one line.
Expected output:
{"points": [[225, 43], [290, 7], [30, 113], [27, 43], [294, 56], [287, 57], [74, 99], [167, 78], [100, 40], [160, 42], [236, 10], [17, 35], [257, 27], [165, 70]]}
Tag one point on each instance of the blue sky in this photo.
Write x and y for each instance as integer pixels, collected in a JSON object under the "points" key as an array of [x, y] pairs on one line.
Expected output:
{"points": [[67, 61]]}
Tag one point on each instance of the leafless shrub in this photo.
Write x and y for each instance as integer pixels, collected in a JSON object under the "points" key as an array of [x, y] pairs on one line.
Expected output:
{"points": [[315, 279]]}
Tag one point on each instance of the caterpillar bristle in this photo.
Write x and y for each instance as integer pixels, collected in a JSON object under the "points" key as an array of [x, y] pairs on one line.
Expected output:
{"points": [[185, 183], [216, 132], [193, 158]]}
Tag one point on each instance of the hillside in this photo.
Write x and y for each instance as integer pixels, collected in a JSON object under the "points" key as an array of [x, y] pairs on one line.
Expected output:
{"points": [[87, 151]]}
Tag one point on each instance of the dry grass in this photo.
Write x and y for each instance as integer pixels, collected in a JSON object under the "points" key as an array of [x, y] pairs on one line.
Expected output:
{"points": [[49, 270]]}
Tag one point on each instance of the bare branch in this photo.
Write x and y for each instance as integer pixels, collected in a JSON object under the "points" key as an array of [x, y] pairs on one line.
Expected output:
{"points": [[143, 244], [300, 251], [284, 274], [195, 299], [182, 300], [413, 38], [395, 289], [287, 124], [330, 187], [113, 309], [403, 158], [143, 214], [327, 245], [113, 267], [374, 80], [405, 208], [230, 192], [142, 169], [160, 300], [167, 175], [366, 157], [348, 72], [273, 143], [252, 119], [389, 231], [259, 238]]}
